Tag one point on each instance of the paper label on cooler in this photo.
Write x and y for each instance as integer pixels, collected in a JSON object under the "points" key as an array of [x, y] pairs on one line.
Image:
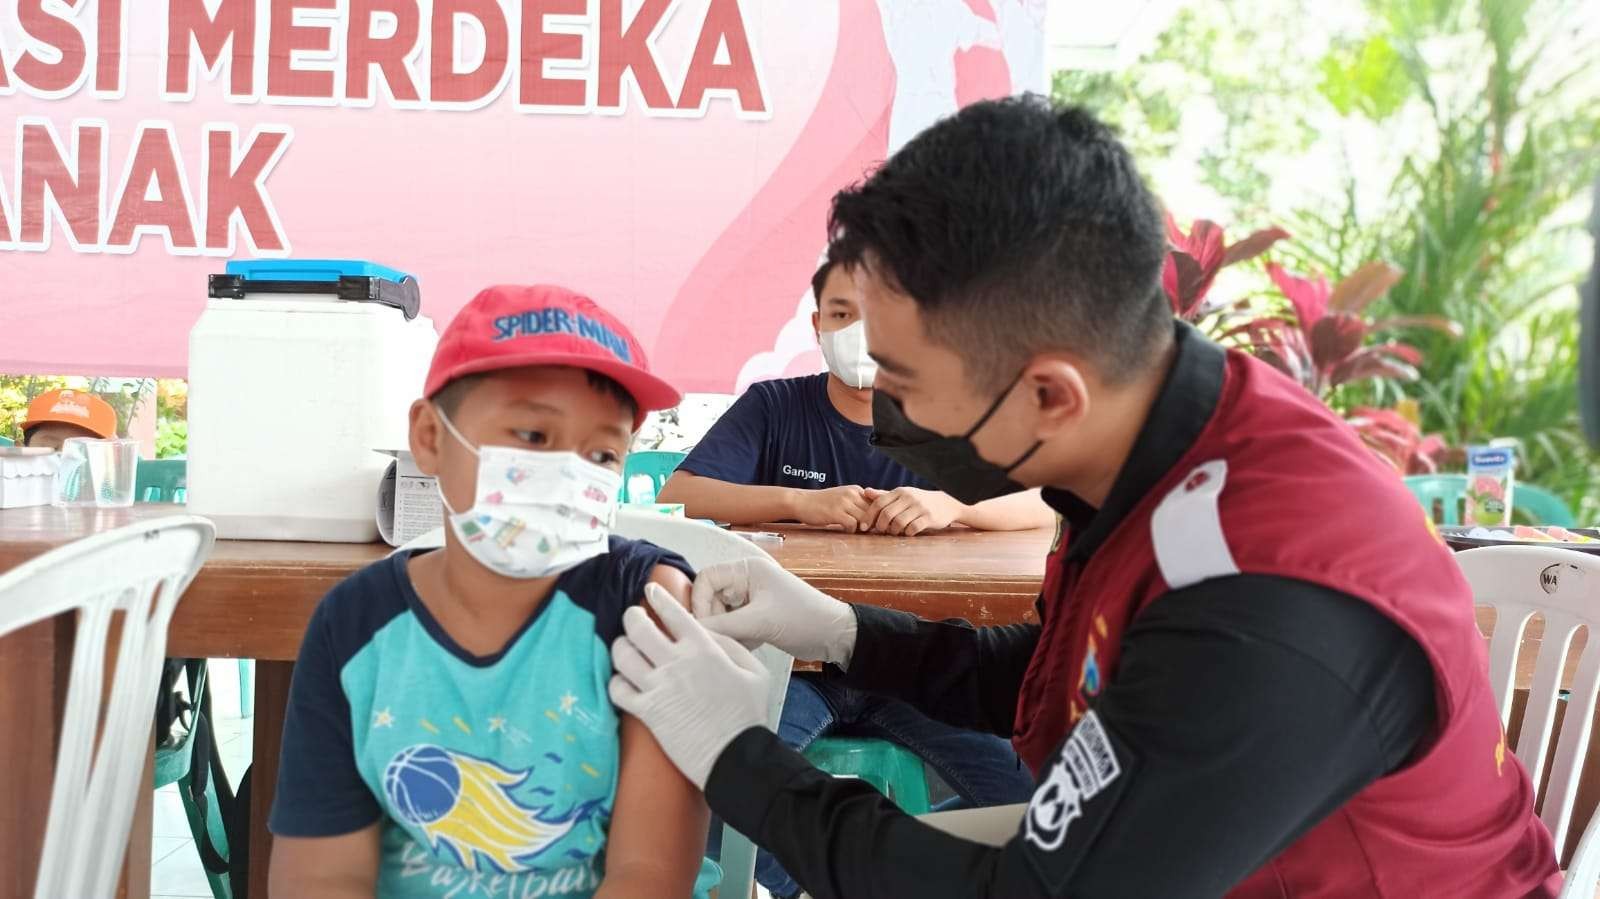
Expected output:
{"points": [[417, 508]]}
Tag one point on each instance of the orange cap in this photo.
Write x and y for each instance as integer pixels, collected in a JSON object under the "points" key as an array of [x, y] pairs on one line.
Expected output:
{"points": [[73, 407]]}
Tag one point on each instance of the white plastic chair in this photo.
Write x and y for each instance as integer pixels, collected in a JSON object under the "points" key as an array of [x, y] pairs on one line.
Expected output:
{"points": [[141, 571], [701, 545], [1563, 586]]}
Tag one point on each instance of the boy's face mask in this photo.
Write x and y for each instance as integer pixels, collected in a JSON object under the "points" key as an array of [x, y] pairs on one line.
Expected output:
{"points": [[845, 351], [536, 514]]}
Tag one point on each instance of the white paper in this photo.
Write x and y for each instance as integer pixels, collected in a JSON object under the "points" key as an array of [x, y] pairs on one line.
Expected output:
{"points": [[408, 501]]}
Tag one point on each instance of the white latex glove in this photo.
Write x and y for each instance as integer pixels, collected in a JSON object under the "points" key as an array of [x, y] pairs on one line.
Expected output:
{"points": [[695, 690], [755, 601]]}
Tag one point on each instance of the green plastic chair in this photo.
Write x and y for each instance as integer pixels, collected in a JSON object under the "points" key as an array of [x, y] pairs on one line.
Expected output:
{"points": [[6, 441], [167, 481], [174, 765], [1444, 494], [161, 481], [891, 769], [658, 464]]}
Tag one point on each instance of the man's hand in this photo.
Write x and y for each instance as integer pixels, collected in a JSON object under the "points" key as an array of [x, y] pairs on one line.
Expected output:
{"points": [[844, 506], [695, 690], [755, 601], [908, 511]]}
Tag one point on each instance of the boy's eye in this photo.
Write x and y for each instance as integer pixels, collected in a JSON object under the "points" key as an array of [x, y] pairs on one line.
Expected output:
{"points": [[606, 458], [535, 438]]}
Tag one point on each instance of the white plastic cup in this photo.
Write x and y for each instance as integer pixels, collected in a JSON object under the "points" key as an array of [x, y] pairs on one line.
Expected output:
{"points": [[94, 472]]}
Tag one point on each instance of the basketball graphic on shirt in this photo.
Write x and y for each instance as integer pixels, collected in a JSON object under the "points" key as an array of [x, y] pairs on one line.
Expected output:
{"points": [[467, 805]]}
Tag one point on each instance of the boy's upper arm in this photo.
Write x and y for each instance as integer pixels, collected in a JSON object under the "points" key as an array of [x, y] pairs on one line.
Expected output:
{"points": [[333, 867], [674, 581], [320, 791], [731, 450], [651, 791]]}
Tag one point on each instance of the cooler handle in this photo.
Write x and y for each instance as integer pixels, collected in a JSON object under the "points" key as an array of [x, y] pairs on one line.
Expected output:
{"points": [[403, 295]]}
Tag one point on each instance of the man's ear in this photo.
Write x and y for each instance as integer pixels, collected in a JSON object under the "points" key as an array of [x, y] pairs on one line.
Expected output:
{"points": [[426, 434], [1058, 386], [816, 326]]}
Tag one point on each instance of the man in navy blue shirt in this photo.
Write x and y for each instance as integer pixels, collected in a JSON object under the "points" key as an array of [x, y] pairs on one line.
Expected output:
{"points": [[797, 450]]}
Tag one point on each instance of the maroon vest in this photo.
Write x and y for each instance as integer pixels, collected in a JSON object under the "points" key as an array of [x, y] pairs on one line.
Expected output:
{"points": [[1276, 485]]}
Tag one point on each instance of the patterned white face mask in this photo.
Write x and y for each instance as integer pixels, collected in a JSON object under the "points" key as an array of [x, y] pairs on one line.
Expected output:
{"points": [[845, 351], [536, 514]]}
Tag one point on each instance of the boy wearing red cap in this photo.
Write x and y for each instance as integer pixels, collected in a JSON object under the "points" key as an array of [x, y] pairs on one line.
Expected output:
{"points": [[448, 725], [56, 415]]}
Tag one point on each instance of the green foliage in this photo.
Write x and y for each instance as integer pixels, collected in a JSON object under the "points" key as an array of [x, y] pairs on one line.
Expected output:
{"points": [[1490, 110], [172, 438], [124, 396], [1365, 77]]}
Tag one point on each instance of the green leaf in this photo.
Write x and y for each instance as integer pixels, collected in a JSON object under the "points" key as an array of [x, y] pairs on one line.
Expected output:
{"points": [[1368, 78]]}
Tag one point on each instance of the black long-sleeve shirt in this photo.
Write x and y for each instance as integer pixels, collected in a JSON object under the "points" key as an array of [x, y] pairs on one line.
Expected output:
{"points": [[1202, 794]]}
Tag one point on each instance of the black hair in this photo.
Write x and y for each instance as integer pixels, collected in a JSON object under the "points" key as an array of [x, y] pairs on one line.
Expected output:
{"points": [[450, 396], [819, 281], [1017, 227]]}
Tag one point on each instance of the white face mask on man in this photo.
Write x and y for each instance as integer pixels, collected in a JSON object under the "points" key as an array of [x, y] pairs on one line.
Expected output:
{"points": [[845, 351], [535, 514]]}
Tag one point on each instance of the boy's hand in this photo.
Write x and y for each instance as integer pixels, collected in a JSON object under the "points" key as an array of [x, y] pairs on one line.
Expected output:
{"points": [[844, 506], [695, 690], [908, 511]]}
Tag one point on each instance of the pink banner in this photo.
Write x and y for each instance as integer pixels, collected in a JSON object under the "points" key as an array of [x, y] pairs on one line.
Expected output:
{"points": [[672, 158]]}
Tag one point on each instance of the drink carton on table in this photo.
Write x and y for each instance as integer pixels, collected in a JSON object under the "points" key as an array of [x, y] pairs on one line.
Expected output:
{"points": [[1491, 476]]}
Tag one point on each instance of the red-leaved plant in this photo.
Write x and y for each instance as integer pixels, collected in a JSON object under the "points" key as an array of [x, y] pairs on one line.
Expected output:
{"points": [[1194, 259], [1324, 345], [1398, 440]]}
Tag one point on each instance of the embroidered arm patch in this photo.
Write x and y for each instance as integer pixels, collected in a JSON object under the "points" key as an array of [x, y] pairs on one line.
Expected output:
{"points": [[1077, 794]]}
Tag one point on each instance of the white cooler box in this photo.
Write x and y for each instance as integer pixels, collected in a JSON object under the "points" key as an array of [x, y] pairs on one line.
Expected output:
{"points": [[298, 371]]}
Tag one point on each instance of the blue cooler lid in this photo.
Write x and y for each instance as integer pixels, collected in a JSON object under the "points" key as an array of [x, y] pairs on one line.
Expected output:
{"points": [[311, 270], [355, 280]]}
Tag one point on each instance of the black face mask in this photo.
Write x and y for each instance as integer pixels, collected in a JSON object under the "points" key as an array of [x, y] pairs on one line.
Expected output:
{"points": [[950, 463]]}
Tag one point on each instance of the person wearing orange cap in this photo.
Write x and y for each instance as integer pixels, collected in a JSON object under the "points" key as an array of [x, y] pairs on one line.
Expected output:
{"points": [[55, 415]]}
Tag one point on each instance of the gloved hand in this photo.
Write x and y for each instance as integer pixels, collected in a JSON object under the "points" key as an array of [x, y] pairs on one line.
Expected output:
{"points": [[755, 601], [695, 690]]}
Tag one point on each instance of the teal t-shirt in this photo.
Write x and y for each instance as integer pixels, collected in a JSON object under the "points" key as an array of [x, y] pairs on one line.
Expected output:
{"points": [[490, 775]]}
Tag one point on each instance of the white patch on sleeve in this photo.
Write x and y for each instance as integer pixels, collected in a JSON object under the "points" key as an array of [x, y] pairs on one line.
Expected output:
{"points": [[1186, 529], [1088, 764]]}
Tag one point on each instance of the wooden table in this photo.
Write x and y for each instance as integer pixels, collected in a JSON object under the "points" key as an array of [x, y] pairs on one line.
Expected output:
{"points": [[253, 599]]}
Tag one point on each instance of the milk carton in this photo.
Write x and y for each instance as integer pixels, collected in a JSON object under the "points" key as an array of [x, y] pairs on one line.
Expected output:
{"points": [[297, 370]]}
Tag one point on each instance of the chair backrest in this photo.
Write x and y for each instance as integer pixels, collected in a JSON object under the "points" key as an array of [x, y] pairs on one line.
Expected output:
{"points": [[141, 571], [703, 544], [657, 465], [6, 441], [1541, 505], [161, 481], [1564, 587], [1442, 495]]}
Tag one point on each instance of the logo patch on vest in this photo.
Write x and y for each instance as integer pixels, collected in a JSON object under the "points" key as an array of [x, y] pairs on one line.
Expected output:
{"points": [[1088, 764], [1089, 682], [1078, 793]]}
